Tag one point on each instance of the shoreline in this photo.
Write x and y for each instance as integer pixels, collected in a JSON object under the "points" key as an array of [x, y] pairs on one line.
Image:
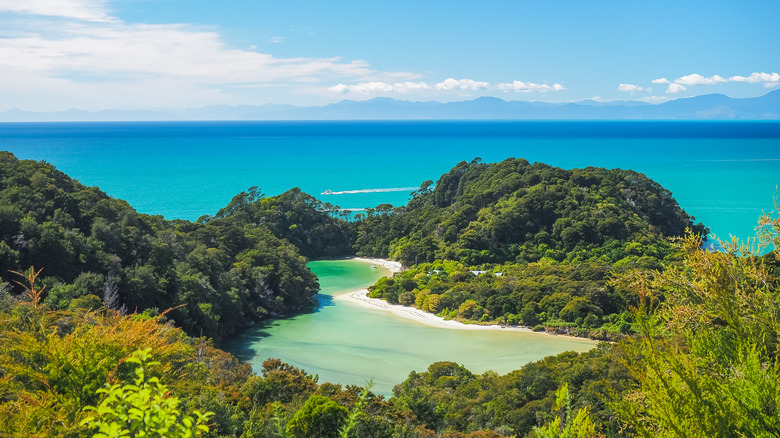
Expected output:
{"points": [[360, 298], [390, 265]]}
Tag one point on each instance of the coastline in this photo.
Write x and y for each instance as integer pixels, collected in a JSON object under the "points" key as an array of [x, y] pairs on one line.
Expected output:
{"points": [[361, 298], [390, 265]]}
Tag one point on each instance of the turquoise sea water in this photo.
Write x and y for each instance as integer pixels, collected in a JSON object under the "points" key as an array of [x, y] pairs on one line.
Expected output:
{"points": [[349, 344], [724, 173]]}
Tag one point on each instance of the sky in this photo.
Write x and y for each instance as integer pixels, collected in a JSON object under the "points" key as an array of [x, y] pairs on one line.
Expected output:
{"points": [[155, 54]]}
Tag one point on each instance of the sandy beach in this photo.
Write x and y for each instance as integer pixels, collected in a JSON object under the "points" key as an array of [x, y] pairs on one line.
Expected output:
{"points": [[390, 265], [361, 298]]}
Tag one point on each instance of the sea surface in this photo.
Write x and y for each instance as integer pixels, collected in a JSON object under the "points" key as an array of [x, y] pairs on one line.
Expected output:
{"points": [[723, 173], [349, 344]]}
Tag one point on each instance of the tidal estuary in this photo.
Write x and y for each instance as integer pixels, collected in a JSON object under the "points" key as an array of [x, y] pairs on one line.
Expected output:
{"points": [[350, 344]]}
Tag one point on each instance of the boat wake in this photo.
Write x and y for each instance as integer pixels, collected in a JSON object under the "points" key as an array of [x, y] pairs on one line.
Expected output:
{"points": [[389, 189]]}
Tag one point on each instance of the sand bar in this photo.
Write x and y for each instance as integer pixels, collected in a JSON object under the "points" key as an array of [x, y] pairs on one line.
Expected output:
{"points": [[361, 298], [390, 265]]}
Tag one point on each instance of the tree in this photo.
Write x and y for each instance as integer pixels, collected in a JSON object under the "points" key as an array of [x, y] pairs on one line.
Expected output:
{"points": [[566, 425], [143, 408], [706, 359], [319, 417]]}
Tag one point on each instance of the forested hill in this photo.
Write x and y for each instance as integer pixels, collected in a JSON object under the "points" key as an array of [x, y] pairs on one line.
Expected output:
{"points": [[319, 230], [224, 272], [517, 211], [528, 244]]}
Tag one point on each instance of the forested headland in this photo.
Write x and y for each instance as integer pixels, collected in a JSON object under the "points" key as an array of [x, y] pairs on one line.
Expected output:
{"points": [[531, 244], [120, 300]]}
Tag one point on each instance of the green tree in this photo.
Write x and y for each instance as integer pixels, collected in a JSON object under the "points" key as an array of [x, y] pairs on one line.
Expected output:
{"points": [[319, 417], [706, 359], [566, 425], [143, 408]]}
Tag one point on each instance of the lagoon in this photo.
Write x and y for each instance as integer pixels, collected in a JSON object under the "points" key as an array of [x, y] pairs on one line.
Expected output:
{"points": [[350, 344]]}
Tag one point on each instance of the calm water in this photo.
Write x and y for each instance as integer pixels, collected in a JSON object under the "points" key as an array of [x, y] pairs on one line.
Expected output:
{"points": [[724, 173], [349, 344]]}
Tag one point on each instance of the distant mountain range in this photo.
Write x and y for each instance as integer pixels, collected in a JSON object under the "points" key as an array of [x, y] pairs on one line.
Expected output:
{"points": [[706, 107]]}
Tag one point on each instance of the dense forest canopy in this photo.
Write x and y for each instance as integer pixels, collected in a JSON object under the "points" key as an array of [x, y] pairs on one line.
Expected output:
{"points": [[117, 297], [219, 274], [514, 211], [520, 243]]}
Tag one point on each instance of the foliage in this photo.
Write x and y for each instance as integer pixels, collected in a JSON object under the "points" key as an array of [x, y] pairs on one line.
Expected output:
{"points": [[566, 297], [706, 360], [448, 398], [519, 243], [515, 211], [358, 410], [53, 364], [220, 275], [143, 408], [319, 417], [317, 229], [566, 425]]}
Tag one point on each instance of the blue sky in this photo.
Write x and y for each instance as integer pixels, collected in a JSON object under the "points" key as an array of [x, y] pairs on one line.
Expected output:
{"points": [[98, 54]]}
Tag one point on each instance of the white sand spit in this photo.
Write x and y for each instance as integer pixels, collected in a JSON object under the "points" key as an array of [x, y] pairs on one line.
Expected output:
{"points": [[361, 298]]}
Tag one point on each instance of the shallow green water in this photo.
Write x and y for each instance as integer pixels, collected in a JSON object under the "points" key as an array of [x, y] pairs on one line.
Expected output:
{"points": [[349, 344]]}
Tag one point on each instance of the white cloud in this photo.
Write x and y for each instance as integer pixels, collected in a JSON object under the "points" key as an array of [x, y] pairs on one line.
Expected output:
{"points": [[462, 84], [277, 39], [83, 48], [630, 88], [527, 87], [87, 10], [404, 87], [136, 51], [377, 87], [769, 79], [372, 87], [654, 99], [697, 79], [447, 85]]}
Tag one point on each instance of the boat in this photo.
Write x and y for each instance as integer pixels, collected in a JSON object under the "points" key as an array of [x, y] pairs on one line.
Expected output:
{"points": [[327, 192]]}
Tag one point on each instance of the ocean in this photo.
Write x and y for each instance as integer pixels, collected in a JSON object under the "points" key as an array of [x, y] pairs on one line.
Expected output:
{"points": [[723, 173]]}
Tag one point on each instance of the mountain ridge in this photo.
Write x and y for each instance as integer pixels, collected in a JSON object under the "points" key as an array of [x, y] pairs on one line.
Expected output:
{"points": [[703, 107]]}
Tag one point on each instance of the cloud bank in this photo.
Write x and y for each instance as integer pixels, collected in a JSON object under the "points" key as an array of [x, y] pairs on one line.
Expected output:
{"points": [[379, 87], [86, 10], [449, 84], [74, 53], [631, 88], [462, 84], [682, 83], [528, 87]]}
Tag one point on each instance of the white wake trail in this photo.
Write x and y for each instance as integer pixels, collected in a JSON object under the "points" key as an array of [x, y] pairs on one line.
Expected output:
{"points": [[388, 189]]}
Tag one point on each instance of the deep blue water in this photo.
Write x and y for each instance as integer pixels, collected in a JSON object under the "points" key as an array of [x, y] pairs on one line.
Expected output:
{"points": [[724, 173]]}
